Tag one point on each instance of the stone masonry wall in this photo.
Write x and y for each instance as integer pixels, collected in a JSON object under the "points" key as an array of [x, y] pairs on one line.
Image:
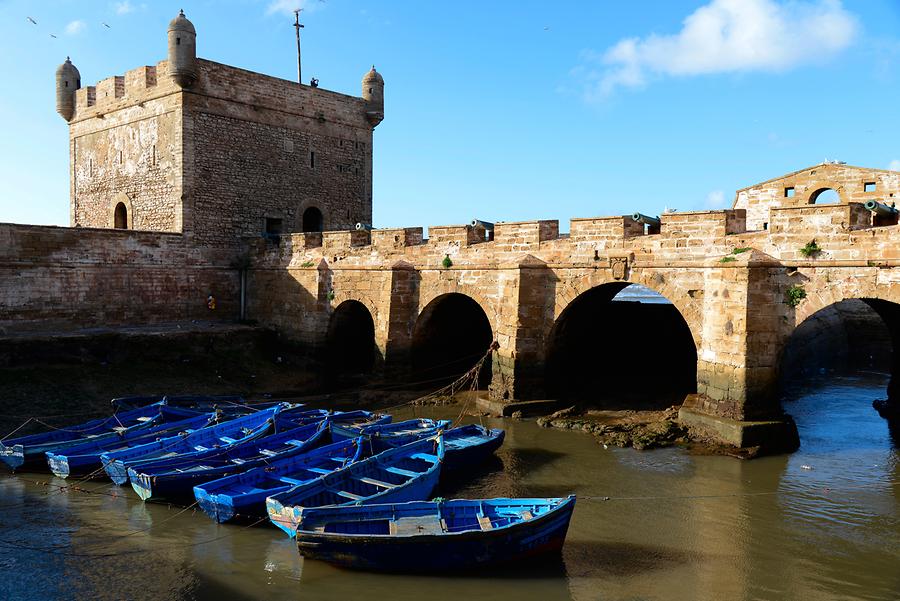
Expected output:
{"points": [[801, 188], [70, 278], [258, 147]]}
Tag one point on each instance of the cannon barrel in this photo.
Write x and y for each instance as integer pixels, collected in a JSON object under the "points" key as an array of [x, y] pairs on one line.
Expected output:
{"points": [[645, 219], [880, 208], [364, 227], [485, 224]]}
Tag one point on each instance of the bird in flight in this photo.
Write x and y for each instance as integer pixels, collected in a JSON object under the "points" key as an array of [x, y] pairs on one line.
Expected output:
{"points": [[52, 36], [105, 24], [32, 21]]}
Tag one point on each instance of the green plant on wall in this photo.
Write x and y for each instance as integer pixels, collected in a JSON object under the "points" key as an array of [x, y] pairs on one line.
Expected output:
{"points": [[811, 249], [795, 294], [307, 264], [727, 259], [740, 250], [330, 295], [447, 263]]}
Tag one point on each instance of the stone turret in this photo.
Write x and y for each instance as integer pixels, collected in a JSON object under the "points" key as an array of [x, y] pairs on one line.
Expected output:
{"points": [[373, 94], [182, 51], [68, 79]]}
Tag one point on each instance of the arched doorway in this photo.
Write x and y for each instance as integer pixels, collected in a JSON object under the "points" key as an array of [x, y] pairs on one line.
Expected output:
{"points": [[313, 221], [451, 335], [824, 196], [621, 346], [350, 343], [120, 217]]}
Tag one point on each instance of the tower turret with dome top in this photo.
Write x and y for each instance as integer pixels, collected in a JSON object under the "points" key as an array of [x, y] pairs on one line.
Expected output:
{"points": [[182, 51], [373, 94]]}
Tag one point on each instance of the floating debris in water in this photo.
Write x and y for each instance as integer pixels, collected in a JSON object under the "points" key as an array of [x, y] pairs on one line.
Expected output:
{"points": [[805, 467]]}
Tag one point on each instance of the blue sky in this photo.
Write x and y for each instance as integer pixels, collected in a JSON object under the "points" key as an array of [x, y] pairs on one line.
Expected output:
{"points": [[501, 110]]}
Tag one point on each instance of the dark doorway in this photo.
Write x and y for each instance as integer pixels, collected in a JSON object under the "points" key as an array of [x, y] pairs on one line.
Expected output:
{"points": [[120, 219], [452, 334], [312, 220], [621, 347], [351, 340]]}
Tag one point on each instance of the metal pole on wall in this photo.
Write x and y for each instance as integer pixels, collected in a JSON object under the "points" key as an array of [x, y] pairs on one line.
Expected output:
{"points": [[298, 26]]}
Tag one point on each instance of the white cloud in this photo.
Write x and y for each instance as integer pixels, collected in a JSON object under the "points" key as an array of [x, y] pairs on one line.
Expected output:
{"points": [[76, 27], [715, 200], [894, 165], [727, 36], [123, 8], [287, 7]]}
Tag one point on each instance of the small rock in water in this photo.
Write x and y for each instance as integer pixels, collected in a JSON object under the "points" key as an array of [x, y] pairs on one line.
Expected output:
{"points": [[516, 415], [805, 467]]}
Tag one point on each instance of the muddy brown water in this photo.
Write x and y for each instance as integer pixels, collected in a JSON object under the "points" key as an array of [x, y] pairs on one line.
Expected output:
{"points": [[819, 524]]}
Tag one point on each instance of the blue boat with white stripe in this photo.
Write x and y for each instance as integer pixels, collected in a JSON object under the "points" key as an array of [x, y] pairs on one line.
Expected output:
{"points": [[407, 473], [244, 494], [435, 536]]}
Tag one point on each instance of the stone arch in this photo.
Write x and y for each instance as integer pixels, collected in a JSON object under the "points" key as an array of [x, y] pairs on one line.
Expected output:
{"points": [[444, 287], [883, 300], [452, 332], [350, 346], [312, 219], [688, 306], [817, 188], [120, 207], [602, 351]]}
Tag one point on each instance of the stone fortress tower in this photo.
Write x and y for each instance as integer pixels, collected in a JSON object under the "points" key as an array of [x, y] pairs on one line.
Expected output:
{"points": [[216, 152]]}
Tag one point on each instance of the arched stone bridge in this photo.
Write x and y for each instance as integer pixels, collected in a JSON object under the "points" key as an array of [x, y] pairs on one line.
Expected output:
{"points": [[740, 294]]}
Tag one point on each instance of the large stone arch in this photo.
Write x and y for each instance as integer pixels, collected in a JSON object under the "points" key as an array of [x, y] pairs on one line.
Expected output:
{"points": [[433, 290], [451, 333], [600, 351], [690, 308], [350, 341]]}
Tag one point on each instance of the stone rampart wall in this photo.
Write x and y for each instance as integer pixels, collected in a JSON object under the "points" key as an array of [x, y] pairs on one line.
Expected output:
{"points": [[69, 278]]}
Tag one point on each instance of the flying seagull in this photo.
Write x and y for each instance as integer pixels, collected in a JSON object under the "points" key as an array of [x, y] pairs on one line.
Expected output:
{"points": [[105, 24], [33, 22], [52, 36]]}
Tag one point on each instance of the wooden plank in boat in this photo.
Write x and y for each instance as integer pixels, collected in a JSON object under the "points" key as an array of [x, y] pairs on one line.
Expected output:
{"points": [[417, 525], [402, 472], [375, 482], [348, 495], [485, 522]]}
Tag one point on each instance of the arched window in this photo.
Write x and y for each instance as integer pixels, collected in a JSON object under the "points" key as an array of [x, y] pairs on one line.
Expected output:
{"points": [[312, 220], [824, 196], [121, 217]]}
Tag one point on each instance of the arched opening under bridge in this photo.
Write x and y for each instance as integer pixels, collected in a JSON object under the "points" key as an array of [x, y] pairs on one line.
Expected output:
{"points": [[451, 335], [834, 365], [350, 344], [825, 196], [621, 346]]}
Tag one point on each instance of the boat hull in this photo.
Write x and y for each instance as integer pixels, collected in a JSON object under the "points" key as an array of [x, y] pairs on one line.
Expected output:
{"points": [[441, 553]]}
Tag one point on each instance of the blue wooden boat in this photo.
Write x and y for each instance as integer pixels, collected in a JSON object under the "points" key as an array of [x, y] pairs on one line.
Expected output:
{"points": [[245, 493], [84, 458], [407, 473], [405, 432], [348, 418], [29, 451], [434, 536], [468, 446], [210, 438], [175, 478], [465, 446], [346, 430]]}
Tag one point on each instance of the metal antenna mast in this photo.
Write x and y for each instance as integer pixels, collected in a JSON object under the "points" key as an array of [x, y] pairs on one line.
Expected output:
{"points": [[298, 26]]}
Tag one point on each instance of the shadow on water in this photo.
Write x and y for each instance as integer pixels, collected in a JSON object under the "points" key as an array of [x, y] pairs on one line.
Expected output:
{"points": [[597, 559]]}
